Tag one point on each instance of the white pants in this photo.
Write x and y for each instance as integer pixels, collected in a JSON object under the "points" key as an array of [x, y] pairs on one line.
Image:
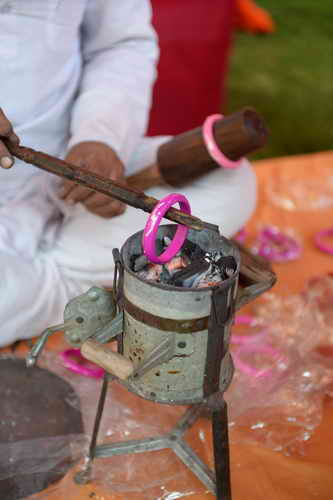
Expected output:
{"points": [[45, 260]]}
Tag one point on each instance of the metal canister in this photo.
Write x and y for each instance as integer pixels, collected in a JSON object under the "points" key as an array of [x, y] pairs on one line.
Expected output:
{"points": [[155, 312]]}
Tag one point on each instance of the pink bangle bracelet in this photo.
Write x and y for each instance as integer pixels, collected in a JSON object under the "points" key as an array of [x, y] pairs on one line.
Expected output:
{"points": [[277, 246], [151, 229], [212, 147], [246, 368], [74, 361], [250, 344], [319, 237]]}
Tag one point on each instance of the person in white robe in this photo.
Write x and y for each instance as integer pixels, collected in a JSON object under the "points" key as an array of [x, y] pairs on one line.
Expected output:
{"points": [[76, 82]]}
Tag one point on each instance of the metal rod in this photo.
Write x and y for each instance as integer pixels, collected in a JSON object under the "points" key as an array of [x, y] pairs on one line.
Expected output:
{"points": [[195, 464], [84, 475], [132, 446], [187, 420], [117, 190], [221, 453], [98, 418]]}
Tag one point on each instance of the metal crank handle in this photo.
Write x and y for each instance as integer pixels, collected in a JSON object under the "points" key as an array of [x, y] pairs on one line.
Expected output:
{"points": [[112, 362], [33, 355]]}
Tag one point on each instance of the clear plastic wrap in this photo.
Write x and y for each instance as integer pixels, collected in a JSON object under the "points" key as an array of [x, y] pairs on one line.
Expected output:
{"points": [[126, 416], [28, 456], [283, 408], [279, 409], [318, 295], [296, 191]]}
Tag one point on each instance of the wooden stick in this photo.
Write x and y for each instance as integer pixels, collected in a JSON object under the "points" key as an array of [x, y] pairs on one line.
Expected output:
{"points": [[112, 362], [121, 192]]}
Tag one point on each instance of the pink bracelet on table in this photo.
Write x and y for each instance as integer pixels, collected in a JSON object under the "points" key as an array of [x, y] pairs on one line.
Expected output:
{"points": [[319, 237], [252, 371], [212, 147], [74, 361], [151, 229], [277, 246], [252, 344]]}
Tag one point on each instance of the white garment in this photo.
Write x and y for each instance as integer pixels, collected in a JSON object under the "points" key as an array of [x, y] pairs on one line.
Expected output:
{"points": [[75, 70], [45, 264], [57, 96]]}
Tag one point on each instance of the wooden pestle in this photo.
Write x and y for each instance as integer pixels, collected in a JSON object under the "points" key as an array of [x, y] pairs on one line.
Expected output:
{"points": [[185, 157]]}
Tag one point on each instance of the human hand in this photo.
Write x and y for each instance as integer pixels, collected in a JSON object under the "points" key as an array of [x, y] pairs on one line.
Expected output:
{"points": [[102, 160], [6, 131]]}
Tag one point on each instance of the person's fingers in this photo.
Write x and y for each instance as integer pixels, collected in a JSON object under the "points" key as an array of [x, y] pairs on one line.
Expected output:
{"points": [[104, 205], [6, 130], [76, 194], [111, 209], [6, 159], [65, 188], [98, 200], [70, 191]]}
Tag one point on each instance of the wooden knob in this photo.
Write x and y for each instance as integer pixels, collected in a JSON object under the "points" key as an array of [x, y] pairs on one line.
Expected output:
{"points": [[186, 157], [112, 362]]}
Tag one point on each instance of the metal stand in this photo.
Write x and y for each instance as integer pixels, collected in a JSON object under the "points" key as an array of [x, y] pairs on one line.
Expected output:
{"points": [[219, 486]]}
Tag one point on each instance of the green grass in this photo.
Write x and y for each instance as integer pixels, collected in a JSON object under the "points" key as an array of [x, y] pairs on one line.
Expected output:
{"points": [[288, 76]]}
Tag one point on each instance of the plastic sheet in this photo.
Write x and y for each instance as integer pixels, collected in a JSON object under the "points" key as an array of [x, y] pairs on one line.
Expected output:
{"points": [[280, 411], [28, 456], [293, 191], [276, 244], [146, 476], [318, 294], [283, 409]]}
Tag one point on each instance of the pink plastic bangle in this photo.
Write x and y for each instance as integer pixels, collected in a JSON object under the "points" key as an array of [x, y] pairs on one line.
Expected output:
{"points": [[324, 247], [250, 370], [81, 366], [277, 246], [153, 222], [212, 147]]}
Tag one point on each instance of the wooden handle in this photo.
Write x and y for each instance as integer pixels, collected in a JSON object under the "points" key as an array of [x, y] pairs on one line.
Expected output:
{"points": [[146, 178], [186, 157], [112, 362]]}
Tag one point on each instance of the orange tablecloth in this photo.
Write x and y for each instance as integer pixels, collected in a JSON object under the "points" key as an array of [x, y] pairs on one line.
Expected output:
{"points": [[257, 472]]}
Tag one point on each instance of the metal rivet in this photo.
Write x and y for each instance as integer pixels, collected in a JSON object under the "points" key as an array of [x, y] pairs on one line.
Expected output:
{"points": [[93, 295], [75, 337], [79, 319], [181, 345]]}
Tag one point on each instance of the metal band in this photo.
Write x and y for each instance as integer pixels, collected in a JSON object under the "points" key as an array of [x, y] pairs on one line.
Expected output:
{"points": [[166, 324], [222, 310]]}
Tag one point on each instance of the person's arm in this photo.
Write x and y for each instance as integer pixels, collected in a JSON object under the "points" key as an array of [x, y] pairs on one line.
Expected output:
{"points": [[110, 114]]}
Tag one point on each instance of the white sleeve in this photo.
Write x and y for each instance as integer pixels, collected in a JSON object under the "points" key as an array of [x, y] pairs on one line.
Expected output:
{"points": [[119, 54]]}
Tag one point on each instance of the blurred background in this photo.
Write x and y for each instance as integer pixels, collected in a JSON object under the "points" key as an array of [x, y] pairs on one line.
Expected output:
{"points": [[288, 76], [273, 55]]}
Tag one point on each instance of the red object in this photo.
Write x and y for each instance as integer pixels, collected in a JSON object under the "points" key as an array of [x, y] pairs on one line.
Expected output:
{"points": [[250, 17], [195, 39]]}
